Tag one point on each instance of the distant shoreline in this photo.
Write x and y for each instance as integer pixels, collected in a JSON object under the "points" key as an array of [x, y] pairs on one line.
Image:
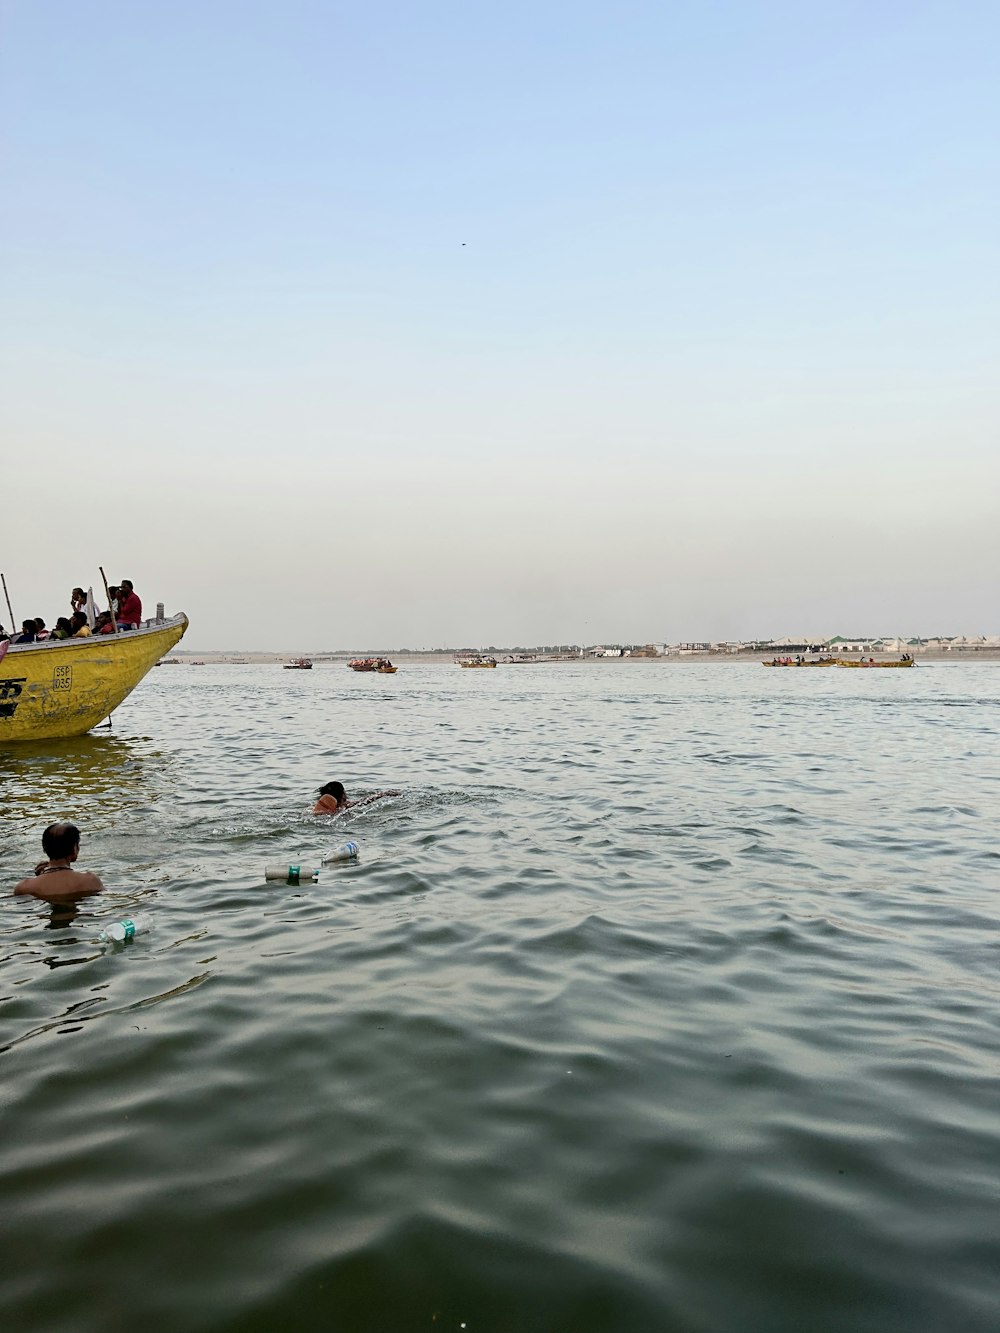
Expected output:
{"points": [[207, 658]]}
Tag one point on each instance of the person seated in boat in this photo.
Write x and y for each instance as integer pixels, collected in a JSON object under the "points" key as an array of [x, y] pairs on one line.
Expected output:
{"points": [[40, 631], [333, 799], [27, 634], [104, 624], [130, 615], [63, 629], [55, 878], [78, 624]]}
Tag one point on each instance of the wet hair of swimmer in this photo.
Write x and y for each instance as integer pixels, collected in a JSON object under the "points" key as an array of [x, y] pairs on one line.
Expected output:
{"points": [[59, 840], [334, 789]]}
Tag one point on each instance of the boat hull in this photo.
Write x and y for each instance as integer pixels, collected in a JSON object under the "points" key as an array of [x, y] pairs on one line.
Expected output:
{"points": [[63, 687], [877, 666], [867, 666]]}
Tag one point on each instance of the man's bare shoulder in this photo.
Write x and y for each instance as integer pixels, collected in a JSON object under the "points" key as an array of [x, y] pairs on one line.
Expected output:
{"points": [[89, 883], [61, 884]]}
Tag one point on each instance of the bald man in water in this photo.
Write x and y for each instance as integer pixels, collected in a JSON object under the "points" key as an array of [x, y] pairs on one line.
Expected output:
{"points": [[55, 880]]}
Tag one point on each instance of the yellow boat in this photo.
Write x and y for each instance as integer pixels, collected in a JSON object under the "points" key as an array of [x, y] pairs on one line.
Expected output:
{"points": [[815, 662], [477, 660], [869, 665], [63, 687]]}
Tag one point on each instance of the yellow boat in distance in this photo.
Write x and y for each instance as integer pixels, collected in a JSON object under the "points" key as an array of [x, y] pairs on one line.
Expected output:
{"points": [[476, 660], [63, 687], [839, 662], [815, 662]]}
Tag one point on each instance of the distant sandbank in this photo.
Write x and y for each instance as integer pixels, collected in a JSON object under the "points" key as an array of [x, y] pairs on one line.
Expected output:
{"points": [[218, 658]]}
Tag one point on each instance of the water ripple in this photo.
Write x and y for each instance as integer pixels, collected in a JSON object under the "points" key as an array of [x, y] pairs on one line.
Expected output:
{"points": [[665, 998]]}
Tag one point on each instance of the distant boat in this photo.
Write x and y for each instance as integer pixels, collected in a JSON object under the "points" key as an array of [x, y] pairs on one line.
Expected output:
{"points": [[835, 662], [801, 662], [380, 664], [63, 687], [476, 660], [299, 664], [905, 662]]}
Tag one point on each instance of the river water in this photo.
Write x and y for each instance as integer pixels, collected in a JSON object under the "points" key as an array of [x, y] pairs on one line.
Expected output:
{"points": [[664, 998]]}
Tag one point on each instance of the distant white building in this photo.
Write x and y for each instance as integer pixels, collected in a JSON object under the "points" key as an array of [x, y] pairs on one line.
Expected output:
{"points": [[841, 644]]}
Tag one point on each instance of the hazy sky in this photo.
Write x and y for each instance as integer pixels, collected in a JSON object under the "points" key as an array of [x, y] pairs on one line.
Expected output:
{"points": [[450, 323]]}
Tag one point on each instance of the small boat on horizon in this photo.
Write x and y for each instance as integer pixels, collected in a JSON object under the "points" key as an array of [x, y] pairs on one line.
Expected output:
{"points": [[381, 665], [904, 662], [475, 660], [838, 662], [299, 664]]}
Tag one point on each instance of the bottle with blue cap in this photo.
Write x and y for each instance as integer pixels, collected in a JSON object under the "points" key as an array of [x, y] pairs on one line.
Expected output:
{"points": [[347, 851]]}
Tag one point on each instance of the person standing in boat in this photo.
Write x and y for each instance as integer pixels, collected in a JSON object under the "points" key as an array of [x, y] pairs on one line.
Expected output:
{"points": [[130, 615], [55, 878], [333, 799]]}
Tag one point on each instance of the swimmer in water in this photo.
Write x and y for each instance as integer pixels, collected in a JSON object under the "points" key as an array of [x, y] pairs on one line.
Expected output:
{"points": [[55, 880], [333, 799]]}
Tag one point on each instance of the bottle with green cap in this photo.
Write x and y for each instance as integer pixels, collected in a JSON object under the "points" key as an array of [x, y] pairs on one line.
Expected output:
{"points": [[298, 873], [120, 932]]}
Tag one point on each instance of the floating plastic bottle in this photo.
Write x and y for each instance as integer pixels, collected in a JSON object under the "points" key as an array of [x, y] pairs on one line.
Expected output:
{"points": [[347, 851], [120, 932], [302, 873]]}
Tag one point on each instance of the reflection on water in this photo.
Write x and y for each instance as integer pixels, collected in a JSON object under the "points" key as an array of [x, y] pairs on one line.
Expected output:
{"points": [[49, 780], [62, 914], [664, 999]]}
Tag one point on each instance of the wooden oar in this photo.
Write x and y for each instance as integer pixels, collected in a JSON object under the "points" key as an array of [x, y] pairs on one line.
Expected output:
{"points": [[9, 607], [111, 609]]}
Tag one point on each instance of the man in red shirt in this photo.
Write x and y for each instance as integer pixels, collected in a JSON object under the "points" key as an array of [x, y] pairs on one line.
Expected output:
{"points": [[130, 615]]}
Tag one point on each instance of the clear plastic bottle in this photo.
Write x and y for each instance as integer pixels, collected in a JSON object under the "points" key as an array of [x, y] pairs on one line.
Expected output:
{"points": [[300, 873], [347, 851], [120, 932]]}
